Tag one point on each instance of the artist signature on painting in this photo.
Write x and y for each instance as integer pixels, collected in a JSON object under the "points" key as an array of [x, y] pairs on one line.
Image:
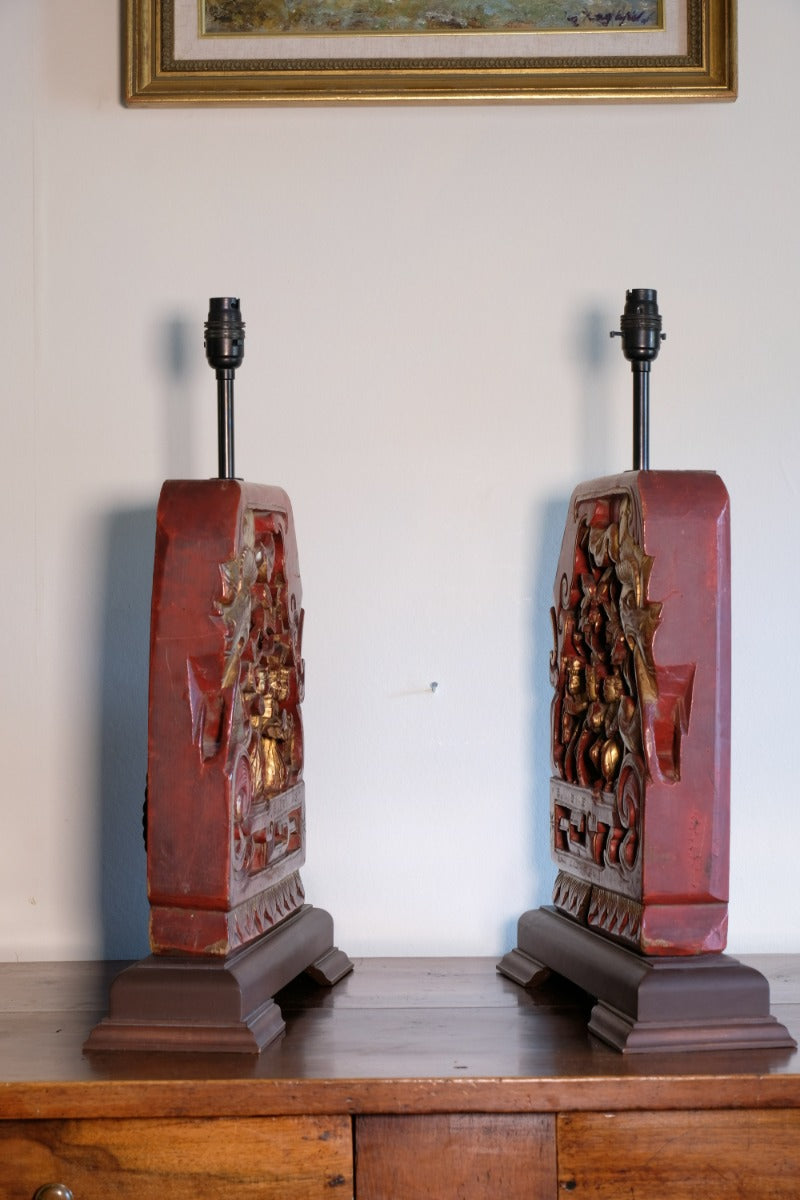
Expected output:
{"points": [[611, 18]]}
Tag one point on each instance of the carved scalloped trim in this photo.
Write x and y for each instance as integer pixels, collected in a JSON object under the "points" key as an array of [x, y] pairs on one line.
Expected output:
{"points": [[253, 917], [618, 916], [571, 896]]}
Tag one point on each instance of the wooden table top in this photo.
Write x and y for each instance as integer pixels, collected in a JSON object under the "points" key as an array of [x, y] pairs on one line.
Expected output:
{"points": [[398, 1035]]}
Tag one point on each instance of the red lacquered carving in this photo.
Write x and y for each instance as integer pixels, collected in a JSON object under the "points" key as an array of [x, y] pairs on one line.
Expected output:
{"points": [[226, 808], [641, 752], [641, 712]]}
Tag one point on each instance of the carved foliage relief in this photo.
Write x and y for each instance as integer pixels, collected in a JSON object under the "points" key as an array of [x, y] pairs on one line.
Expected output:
{"points": [[251, 711], [605, 683]]}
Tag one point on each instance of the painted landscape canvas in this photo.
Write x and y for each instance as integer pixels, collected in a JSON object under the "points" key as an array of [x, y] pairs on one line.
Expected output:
{"points": [[270, 17]]}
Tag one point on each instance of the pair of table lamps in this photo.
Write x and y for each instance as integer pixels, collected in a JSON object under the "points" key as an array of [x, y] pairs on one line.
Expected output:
{"points": [[640, 740]]}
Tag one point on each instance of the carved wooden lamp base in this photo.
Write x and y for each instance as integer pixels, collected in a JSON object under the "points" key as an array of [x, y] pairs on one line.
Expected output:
{"points": [[695, 1002], [225, 809], [171, 1002]]}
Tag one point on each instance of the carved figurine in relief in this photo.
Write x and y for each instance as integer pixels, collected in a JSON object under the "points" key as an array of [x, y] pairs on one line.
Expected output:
{"points": [[274, 729], [599, 751], [573, 708]]}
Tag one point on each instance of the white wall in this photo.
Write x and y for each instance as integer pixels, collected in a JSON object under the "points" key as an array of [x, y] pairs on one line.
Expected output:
{"points": [[427, 294]]}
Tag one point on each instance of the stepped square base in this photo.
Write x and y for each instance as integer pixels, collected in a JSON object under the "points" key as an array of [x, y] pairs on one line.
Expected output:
{"points": [[693, 1002], [171, 1002]]}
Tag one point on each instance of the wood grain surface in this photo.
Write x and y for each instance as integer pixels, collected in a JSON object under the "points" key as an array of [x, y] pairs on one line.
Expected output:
{"points": [[396, 1036], [456, 1157], [275, 1158], [752, 1155]]}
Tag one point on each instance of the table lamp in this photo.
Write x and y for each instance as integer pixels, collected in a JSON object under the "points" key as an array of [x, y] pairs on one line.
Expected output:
{"points": [[225, 809], [640, 743]]}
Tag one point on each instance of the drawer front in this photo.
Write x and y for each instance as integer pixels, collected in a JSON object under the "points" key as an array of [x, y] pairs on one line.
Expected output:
{"points": [[456, 1157], [680, 1155], [269, 1158]]}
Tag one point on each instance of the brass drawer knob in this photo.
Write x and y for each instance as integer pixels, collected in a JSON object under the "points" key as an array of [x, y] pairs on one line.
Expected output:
{"points": [[53, 1191]]}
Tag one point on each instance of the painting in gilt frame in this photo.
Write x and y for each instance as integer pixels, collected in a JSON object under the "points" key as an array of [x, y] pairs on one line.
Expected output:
{"points": [[266, 51]]}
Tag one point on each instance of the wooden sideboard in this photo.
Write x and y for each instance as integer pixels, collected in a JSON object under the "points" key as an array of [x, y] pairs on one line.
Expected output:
{"points": [[412, 1078]]}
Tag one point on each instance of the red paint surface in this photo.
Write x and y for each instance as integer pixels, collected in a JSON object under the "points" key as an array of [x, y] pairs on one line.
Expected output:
{"points": [[200, 901], [682, 521]]}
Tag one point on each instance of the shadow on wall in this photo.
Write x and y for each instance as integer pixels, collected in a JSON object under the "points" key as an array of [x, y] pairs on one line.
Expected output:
{"points": [[122, 724], [548, 523], [179, 348], [592, 450], [596, 397], [125, 659]]}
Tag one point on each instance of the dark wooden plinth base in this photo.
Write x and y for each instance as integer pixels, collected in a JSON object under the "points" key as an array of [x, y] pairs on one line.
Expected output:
{"points": [[182, 1003], [703, 1002]]}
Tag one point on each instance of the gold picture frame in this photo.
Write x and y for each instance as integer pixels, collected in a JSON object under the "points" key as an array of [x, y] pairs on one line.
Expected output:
{"points": [[171, 59]]}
